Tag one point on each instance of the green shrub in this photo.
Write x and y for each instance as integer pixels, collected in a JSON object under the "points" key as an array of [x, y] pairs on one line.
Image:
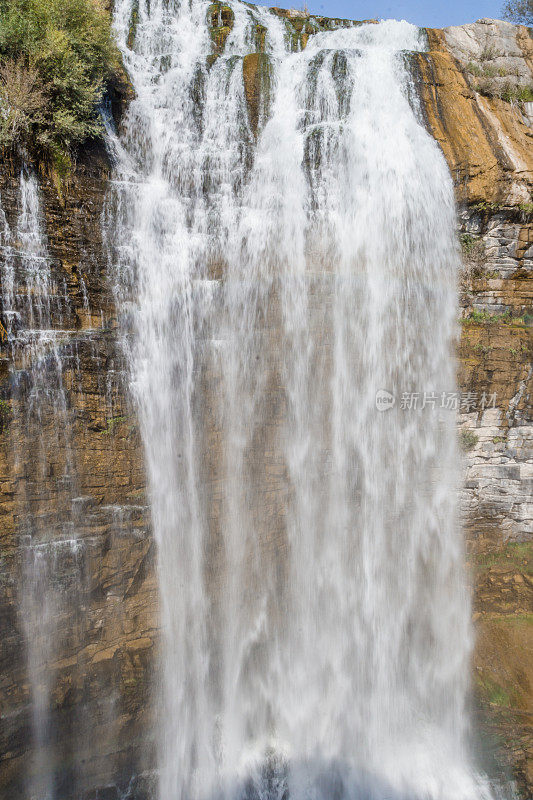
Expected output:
{"points": [[490, 71], [56, 57], [487, 85], [474, 257], [488, 53], [22, 99], [468, 439], [474, 69], [523, 94], [493, 693], [486, 317], [486, 349], [469, 243]]}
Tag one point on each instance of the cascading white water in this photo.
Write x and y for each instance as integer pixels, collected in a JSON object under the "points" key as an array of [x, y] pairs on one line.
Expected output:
{"points": [[51, 568], [313, 601]]}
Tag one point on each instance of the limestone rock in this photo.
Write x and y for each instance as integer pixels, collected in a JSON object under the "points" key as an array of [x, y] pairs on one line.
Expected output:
{"points": [[486, 141]]}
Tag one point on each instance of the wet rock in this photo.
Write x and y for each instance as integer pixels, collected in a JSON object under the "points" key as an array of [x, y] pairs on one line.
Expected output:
{"points": [[256, 72], [106, 626], [220, 19]]}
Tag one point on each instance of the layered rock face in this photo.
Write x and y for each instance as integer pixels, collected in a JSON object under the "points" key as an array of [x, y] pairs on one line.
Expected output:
{"points": [[77, 592], [472, 81], [71, 458]]}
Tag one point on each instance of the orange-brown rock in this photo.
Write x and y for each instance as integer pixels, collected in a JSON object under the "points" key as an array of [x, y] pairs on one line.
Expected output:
{"points": [[256, 73], [488, 146], [105, 619]]}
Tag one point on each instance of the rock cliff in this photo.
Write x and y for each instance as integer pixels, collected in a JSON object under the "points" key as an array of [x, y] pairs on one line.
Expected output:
{"points": [[65, 411], [103, 628], [472, 81]]}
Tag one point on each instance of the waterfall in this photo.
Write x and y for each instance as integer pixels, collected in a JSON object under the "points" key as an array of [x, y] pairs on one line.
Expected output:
{"points": [[52, 557], [279, 268]]}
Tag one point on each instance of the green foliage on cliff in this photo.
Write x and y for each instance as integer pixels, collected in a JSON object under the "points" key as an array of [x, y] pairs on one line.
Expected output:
{"points": [[468, 439], [493, 693], [56, 57]]}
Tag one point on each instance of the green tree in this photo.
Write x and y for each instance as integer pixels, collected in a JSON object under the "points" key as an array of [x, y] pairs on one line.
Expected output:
{"points": [[519, 11], [56, 58]]}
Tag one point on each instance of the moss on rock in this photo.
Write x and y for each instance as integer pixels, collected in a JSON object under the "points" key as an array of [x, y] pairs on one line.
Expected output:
{"points": [[134, 19], [256, 73], [260, 38], [220, 19]]}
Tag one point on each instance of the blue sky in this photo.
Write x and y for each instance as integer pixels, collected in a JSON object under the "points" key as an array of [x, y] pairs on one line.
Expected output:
{"points": [[428, 13]]}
